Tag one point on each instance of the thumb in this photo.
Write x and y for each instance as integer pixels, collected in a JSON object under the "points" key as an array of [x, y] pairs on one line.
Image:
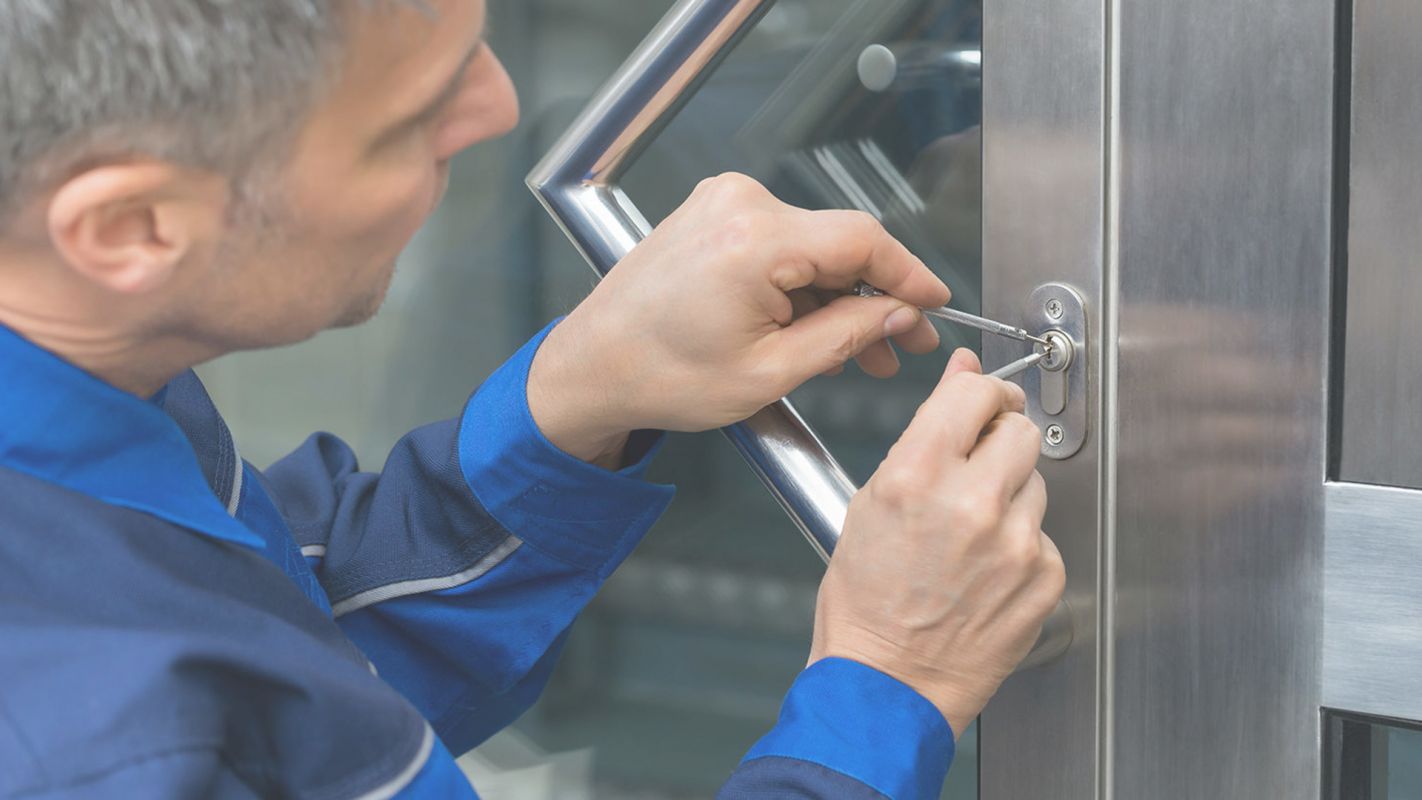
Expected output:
{"points": [[830, 336], [963, 360]]}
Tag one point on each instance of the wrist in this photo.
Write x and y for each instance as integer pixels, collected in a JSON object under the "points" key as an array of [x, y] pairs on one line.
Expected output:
{"points": [[573, 399]]}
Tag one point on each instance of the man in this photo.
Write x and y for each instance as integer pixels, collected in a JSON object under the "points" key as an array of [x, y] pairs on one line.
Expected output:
{"points": [[186, 179]]}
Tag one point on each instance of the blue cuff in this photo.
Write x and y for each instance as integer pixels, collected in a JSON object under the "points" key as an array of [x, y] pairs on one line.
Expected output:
{"points": [[860, 722], [577, 512]]}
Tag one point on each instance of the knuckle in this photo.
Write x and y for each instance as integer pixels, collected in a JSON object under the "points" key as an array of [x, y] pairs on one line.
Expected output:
{"points": [[739, 229], [1051, 556], [851, 344], [1023, 431], [1024, 548], [1054, 575], [1023, 426], [976, 512], [897, 487], [733, 186], [864, 224]]}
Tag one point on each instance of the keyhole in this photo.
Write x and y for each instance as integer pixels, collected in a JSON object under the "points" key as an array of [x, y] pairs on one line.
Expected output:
{"points": [[1054, 372]]}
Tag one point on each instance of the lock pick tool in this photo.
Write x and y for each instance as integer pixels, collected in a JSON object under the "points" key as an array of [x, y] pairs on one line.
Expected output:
{"points": [[983, 324]]}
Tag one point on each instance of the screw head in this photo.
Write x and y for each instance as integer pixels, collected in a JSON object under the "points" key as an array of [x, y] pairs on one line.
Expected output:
{"points": [[1055, 435], [1054, 308]]}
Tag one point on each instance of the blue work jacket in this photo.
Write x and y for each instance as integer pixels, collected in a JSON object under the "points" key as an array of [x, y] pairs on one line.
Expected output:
{"points": [[177, 623]]}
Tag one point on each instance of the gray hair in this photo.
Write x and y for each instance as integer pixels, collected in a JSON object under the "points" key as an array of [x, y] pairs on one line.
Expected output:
{"points": [[205, 83]]}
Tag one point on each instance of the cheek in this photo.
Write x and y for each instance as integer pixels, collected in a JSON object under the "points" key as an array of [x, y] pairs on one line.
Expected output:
{"points": [[373, 230]]}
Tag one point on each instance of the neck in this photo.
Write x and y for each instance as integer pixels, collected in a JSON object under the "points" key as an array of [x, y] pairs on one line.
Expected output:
{"points": [[132, 364], [96, 334]]}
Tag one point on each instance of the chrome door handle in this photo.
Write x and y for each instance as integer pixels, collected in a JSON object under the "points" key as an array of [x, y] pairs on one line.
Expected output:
{"points": [[577, 182]]}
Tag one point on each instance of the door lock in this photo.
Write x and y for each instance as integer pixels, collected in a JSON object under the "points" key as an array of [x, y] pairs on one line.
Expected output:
{"points": [[1056, 390]]}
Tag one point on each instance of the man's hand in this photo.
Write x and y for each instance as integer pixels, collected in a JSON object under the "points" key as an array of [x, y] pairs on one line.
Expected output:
{"points": [[728, 306], [943, 577]]}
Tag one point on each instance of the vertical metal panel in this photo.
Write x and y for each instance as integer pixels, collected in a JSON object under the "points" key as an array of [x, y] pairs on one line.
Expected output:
{"points": [[1225, 146], [1383, 367], [1043, 214], [1373, 600]]}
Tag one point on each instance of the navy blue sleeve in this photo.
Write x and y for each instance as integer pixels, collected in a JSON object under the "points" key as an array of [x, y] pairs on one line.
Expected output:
{"points": [[460, 567], [848, 731]]}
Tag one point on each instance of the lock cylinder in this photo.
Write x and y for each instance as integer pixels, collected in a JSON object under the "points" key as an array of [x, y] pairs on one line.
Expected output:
{"points": [[1059, 353]]}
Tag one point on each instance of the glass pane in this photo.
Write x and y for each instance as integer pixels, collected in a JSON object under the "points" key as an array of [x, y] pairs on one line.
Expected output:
{"points": [[1372, 759], [802, 107], [680, 664]]}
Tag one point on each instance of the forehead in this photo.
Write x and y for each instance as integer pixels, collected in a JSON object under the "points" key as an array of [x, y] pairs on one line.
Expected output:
{"points": [[400, 53]]}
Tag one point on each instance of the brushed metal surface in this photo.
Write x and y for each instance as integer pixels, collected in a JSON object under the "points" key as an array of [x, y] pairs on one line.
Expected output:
{"points": [[1044, 116], [1372, 654], [1383, 366], [1225, 141]]}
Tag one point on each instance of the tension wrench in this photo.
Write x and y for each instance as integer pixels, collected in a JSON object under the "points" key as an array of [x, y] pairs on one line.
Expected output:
{"points": [[984, 324]]}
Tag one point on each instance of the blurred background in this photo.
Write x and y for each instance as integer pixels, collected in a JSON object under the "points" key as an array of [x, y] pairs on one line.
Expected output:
{"points": [[681, 662]]}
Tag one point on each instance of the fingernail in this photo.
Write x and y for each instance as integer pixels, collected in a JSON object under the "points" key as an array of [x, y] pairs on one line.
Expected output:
{"points": [[900, 322]]}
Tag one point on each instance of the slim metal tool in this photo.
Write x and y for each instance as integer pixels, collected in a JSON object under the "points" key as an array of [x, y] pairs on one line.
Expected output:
{"points": [[963, 318], [1021, 365]]}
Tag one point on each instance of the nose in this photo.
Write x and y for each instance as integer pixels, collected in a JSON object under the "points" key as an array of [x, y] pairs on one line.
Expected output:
{"points": [[487, 108]]}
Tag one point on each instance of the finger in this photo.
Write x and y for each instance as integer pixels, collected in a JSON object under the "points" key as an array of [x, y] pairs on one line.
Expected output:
{"points": [[962, 360], [1007, 454], [1029, 506], [830, 336], [923, 338], [837, 249], [950, 422], [1054, 566], [879, 360]]}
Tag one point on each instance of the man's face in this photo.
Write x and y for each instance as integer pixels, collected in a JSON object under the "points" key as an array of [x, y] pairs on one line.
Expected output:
{"points": [[413, 90]]}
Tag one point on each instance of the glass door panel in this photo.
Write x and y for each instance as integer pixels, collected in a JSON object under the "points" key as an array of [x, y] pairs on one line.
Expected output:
{"points": [[862, 104], [1369, 758]]}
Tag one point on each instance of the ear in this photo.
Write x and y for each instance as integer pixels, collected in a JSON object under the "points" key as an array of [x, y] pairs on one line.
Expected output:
{"points": [[127, 227]]}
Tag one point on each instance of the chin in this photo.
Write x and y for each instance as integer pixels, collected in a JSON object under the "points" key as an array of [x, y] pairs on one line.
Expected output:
{"points": [[364, 307]]}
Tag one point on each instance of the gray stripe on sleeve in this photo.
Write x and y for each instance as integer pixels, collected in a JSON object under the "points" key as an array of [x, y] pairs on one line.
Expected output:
{"points": [[404, 588]]}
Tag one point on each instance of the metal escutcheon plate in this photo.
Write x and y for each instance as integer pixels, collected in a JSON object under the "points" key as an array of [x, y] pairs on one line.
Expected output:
{"points": [[1058, 307]]}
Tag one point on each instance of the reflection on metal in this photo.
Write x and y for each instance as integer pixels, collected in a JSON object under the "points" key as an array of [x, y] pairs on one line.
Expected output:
{"points": [[1056, 393], [1372, 601], [1382, 366], [577, 183], [1223, 247], [915, 65]]}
